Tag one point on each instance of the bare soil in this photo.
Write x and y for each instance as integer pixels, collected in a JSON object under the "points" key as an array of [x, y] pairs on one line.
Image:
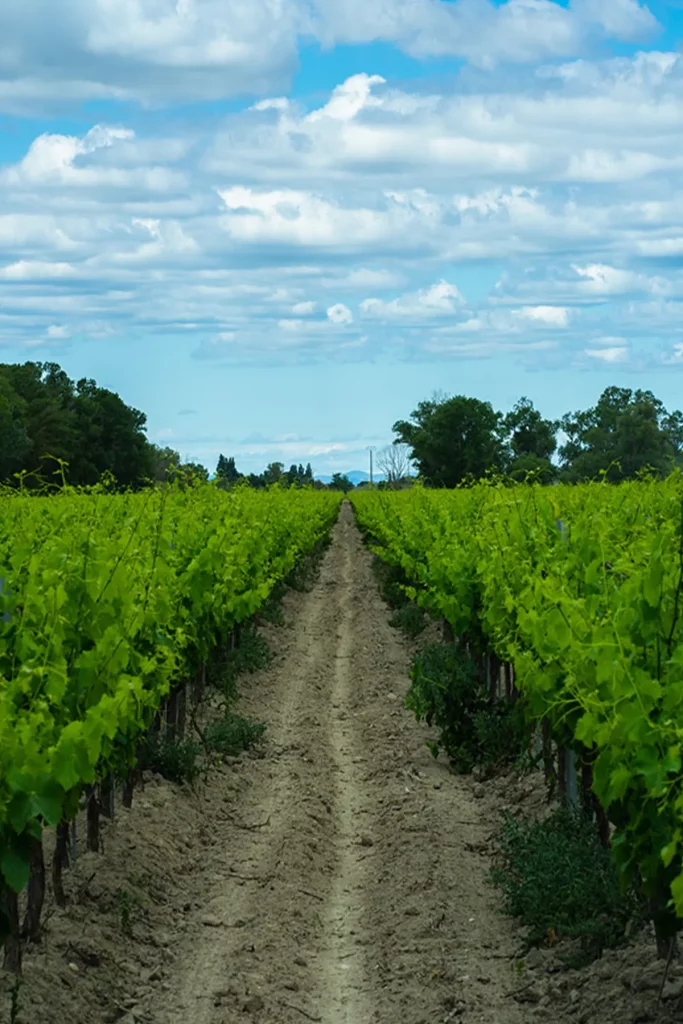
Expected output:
{"points": [[338, 875]]}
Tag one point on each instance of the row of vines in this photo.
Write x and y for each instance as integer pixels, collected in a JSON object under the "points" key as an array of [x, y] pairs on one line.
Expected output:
{"points": [[109, 604], [580, 589]]}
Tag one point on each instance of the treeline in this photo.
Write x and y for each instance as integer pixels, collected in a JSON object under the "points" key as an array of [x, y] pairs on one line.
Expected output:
{"points": [[452, 439], [53, 427]]}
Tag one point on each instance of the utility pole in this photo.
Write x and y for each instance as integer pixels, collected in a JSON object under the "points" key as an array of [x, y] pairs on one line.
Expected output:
{"points": [[371, 449]]}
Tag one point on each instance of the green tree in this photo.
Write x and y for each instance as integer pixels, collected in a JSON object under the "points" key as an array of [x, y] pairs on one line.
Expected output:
{"points": [[227, 471], [164, 462], [452, 439], [111, 437], [273, 472], [15, 443], [341, 482], [530, 442], [625, 432]]}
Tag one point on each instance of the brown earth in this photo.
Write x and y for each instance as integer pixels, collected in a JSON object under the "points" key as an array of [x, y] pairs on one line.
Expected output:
{"points": [[338, 876]]}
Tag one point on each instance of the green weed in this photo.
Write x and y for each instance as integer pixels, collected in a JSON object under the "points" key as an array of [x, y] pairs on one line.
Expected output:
{"points": [[560, 881]]}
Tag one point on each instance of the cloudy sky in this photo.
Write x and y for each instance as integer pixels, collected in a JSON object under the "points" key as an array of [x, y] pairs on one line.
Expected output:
{"points": [[276, 225]]}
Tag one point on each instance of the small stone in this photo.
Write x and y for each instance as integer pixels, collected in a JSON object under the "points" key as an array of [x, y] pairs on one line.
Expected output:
{"points": [[534, 959], [300, 961], [366, 841], [212, 922], [672, 990], [75, 968], [253, 1004], [574, 996], [478, 791]]}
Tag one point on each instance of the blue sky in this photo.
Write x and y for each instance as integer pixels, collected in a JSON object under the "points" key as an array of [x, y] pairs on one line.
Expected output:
{"points": [[276, 225]]}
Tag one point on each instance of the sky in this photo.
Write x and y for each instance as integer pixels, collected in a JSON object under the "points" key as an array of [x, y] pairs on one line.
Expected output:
{"points": [[275, 226]]}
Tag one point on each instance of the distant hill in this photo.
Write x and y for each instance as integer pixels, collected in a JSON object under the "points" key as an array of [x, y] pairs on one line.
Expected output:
{"points": [[356, 476]]}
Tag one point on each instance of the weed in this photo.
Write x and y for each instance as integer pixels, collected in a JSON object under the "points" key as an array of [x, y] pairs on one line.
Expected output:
{"points": [[391, 580], [446, 692], [502, 735], [233, 734], [15, 1005], [410, 619], [559, 880], [175, 761], [126, 905]]}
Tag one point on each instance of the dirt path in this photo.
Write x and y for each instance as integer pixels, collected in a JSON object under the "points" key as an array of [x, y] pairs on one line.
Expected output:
{"points": [[343, 883]]}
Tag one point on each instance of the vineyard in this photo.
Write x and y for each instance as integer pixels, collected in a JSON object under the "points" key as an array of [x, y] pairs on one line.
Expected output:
{"points": [[580, 591], [338, 871], [110, 606]]}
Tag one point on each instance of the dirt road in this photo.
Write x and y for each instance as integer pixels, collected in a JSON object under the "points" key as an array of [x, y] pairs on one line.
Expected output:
{"points": [[343, 884]]}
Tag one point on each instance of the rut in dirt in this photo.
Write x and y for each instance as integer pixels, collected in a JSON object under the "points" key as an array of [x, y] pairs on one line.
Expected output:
{"points": [[345, 886]]}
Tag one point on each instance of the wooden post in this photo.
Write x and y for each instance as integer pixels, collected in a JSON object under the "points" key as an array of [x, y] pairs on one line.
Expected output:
{"points": [[9, 908], [60, 860], [93, 808], [36, 892]]}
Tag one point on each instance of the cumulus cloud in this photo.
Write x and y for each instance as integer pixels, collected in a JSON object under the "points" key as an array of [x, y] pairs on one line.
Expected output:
{"points": [[286, 225], [553, 316], [441, 299], [207, 49], [340, 314]]}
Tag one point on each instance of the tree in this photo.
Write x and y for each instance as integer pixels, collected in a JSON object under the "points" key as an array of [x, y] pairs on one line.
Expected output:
{"points": [[111, 437], [340, 482], [273, 472], [394, 461], [193, 473], [165, 461], [15, 443], [624, 433], [530, 442], [227, 472], [451, 439]]}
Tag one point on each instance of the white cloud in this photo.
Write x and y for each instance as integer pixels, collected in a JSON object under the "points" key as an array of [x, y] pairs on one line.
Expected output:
{"points": [[340, 314], [58, 331], [248, 241], [36, 270], [552, 316], [304, 308], [440, 299], [208, 49], [611, 354]]}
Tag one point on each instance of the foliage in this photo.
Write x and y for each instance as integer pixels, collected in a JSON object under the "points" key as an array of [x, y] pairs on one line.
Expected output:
{"points": [[177, 761], [233, 734], [625, 433], [105, 601], [410, 619], [560, 881], [458, 439], [581, 589], [446, 692], [501, 734], [45, 418], [340, 482], [452, 439]]}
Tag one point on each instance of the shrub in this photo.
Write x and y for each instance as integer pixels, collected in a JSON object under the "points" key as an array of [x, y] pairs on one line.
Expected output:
{"points": [[233, 734], [175, 761], [560, 881], [446, 692], [410, 619]]}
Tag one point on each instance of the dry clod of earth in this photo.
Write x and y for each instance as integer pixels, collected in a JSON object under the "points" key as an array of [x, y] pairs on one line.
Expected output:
{"points": [[340, 876]]}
